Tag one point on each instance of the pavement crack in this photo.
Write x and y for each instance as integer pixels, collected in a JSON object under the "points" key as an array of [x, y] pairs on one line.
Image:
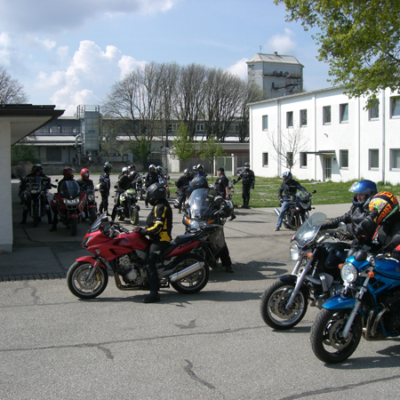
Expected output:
{"points": [[33, 292], [189, 370], [105, 350]]}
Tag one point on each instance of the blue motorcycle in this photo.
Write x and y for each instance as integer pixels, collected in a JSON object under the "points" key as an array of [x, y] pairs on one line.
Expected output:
{"points": [[368, 306]]}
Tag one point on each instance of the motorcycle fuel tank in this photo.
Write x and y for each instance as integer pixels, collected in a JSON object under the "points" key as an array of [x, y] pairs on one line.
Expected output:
{"points": [[389, 268]]}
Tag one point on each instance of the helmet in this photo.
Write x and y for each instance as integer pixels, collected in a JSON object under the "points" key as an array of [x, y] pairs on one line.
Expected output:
{"points": [[68, 173], [194, 168], [151, 166], [198, 182], [186, 172], [155, 192], [107, 167], [200, 166], [37, 168], [132, 174], [286, 176], [132, 166], [85, 173], [159, 168], [125, 170], [383, 206], [246, 165], [363, 187]]}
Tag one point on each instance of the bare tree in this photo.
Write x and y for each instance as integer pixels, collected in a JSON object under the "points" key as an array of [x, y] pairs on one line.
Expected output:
{"points": [[287, 146], [11, 91]]}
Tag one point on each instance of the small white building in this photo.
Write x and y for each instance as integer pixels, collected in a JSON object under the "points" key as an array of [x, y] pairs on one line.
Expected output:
{"points": [[342, 140]]}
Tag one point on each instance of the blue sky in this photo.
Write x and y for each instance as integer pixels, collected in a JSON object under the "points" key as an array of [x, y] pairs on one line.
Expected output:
{"points": [[69, 53]]}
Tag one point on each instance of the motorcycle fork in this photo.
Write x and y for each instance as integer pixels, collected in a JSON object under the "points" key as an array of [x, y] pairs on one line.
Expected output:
{"points": [[96, 264], [300, 280]]}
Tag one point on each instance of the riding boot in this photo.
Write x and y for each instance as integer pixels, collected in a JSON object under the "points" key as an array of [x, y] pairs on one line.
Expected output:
{"points": [[54, 226], [153, 296], [49, 217], [24, 215]]}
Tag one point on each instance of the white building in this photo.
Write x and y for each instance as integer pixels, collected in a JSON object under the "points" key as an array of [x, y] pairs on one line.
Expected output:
{"points": [[343, 141]]}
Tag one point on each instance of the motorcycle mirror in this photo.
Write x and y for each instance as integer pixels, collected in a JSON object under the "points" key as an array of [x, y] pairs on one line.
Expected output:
{"points": [[56, 180]]}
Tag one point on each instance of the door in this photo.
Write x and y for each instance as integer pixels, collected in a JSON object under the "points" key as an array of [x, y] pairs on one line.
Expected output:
{"points": [[328, 169]]}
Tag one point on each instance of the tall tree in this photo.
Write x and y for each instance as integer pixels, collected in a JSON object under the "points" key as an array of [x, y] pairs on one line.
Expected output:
{"points": [[210, 148], [184, 146], [360, 39], [11, 91]]}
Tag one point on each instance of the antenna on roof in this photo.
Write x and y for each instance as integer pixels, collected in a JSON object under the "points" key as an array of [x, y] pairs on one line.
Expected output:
{"points": [[260, 49]]}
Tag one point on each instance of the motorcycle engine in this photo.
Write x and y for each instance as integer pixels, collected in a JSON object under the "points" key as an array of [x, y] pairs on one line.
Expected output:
{"points": [[391, 319], [130, 272]]}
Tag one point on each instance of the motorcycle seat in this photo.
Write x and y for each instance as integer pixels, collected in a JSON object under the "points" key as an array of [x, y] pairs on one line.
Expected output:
{"points": [[182, 239]]}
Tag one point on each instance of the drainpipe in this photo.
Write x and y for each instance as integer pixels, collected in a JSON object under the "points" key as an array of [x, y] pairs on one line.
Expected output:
{"points": [[383, 137], [278, 104]]}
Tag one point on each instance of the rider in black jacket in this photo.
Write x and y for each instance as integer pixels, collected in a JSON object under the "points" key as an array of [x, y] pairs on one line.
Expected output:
{"points": [[105, 183], [182, 184], [248, 180], [85, 182], [151, 177]]}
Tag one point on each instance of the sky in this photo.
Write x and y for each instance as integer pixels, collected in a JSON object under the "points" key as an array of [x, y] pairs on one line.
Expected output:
{"points": [[71, 52]]}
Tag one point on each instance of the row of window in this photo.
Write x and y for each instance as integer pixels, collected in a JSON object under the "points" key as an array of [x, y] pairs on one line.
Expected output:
{"points": [[373, 113], [373, 159]]}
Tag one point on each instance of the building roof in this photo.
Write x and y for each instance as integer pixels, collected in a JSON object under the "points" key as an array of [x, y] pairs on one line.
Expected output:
{"points": [[274, 58]]}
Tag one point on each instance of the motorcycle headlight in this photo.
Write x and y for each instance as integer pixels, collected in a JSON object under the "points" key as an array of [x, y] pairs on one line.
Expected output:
{"points": [[294, 251], [349, 273], [196, 225], [90, 197], [33, 191], [73, 202]]}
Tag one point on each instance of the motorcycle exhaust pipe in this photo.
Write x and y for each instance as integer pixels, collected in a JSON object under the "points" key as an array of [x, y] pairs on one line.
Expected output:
{"points": [[277, 212], [186, 272]]}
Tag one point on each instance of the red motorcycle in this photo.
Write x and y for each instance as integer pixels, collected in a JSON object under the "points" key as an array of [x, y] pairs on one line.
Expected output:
{"points": [[126, 251], [69, 204]]}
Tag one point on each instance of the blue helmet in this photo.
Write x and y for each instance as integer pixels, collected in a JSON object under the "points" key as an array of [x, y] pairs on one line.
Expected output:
{"points": [[366, 187], [286, 176]]}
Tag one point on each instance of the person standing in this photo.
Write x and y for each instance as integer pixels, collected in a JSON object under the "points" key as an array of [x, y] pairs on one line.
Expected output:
{"points": [[105, 183], [222, 187], [248, 180], [151, 178], [182, 184]]}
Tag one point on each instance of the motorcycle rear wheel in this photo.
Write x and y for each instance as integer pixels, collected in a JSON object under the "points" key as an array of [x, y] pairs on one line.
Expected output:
{"points": [[273, 306], [134, 215], [194, 282], [326, 342], [79, 287], [74, 227]]}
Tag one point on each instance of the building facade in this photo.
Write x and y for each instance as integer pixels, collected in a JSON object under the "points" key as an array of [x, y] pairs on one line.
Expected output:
{"points": [[340, 139]]}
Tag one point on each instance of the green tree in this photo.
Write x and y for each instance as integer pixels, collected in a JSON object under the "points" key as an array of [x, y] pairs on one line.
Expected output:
{"points": [[24, 153], [360, 39], [141, 149], [184, 146], [211, 148]]}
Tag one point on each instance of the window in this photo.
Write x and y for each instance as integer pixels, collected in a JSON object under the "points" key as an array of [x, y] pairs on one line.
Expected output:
{"points": [[373, 159], [326, 111], [303, 117], [395, 106], [303, 160], [289, 159], [373, 112], [199, 127], [53, 154], [265, 122], [394, 158], [344, 113], [344, 158], [265, 160], [289, 119]]}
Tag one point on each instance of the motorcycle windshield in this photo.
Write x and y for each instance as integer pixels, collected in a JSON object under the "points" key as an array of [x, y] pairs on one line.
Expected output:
{"points": [[309, 229], [202, 202], [69, 190]]}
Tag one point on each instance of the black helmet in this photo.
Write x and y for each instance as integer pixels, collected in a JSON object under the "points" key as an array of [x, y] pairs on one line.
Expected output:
{"points": [[186, 172], [132, 166], [155, 192], [198, 182], [286, 176], [152, 166], [246, 165], [200, 166], [107, 167], [37, 168]]}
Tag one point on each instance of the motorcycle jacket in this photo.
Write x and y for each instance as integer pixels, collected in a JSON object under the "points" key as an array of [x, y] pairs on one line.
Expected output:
{"points": [[124, 183], [105, 182], [159, 222], [183, 181], [84, 184], [151, 177], [201, 173], [289, 189], [247, 176], [355, 215], [220, 184]]}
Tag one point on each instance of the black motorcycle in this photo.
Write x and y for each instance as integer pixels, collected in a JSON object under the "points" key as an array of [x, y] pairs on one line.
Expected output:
{"points": [[315, 277], [91, 205], [127, 207], [140, 189], [298, 211]]}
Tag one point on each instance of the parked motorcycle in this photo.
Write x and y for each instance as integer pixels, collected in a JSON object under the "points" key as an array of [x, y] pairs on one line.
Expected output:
{"points": [[125, 253], [140, 189], [34, 197], [315, 277], [90, 204], [368, 306], [181, 193], [127, 207], [69, 203], [206, 208], [298, 212]]}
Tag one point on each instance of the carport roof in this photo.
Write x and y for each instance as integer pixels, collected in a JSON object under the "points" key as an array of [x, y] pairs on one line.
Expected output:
{"points": [[26, 118]]}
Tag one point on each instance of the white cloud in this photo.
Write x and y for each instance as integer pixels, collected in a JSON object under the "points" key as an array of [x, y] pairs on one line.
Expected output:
{"points": [[128, 64], [62, 52], [282, 43], [40, 44], [10, 57], [55, 16], [240, 68]]}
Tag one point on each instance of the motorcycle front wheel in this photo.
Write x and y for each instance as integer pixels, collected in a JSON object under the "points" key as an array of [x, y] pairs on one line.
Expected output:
{"points": [[79, 283], [327, 342], [194, 282], [273, 306], [92, 215], [134, 215]]}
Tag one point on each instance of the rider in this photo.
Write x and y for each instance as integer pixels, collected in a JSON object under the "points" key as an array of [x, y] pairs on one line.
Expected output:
{"points": [[151, 178], [248, 180], [132, 172], [288, 189], [159, 228], [364, 190], [85, 182], [159, 171], [182, 184], [222, 187], [105, 183], [200, 170], [37, 172], [123, 183], [68, 174]]}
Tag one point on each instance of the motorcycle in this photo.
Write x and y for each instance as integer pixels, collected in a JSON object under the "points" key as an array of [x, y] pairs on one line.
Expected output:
{"points": [[34, 197], [69, 204], [127, 207], [90, 204], [180, 192], [140, 189], [164, 182], [368, 306], [298, 211], [206, 208], [315, 277], [125, 252]]}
